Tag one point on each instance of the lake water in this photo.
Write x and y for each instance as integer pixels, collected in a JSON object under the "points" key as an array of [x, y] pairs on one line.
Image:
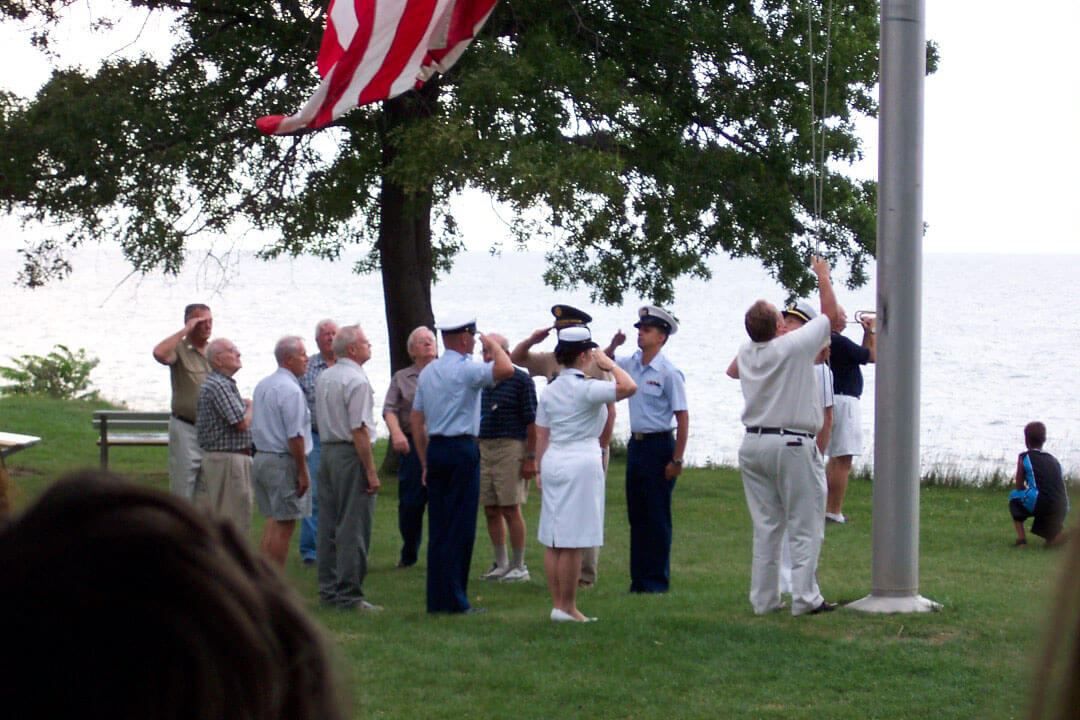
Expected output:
{"points": [[994, 352]]}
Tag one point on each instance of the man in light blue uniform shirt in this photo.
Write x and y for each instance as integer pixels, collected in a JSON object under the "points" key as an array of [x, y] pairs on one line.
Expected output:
{"points": [[445, 421], [654, 453]]}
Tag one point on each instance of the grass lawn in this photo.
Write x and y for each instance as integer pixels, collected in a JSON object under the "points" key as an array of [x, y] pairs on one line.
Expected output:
{"points": [[696, 652]]}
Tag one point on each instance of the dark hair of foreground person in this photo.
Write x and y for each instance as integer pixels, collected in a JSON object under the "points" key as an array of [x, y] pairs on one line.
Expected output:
{"points": [[123, 602]]}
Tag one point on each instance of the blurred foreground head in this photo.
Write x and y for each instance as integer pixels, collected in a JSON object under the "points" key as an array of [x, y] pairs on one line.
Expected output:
{"points": [[122, 602]]}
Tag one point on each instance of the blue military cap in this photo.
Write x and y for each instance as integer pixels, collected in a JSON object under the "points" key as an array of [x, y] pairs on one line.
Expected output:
{"points": [[657, 317], [567, 316]]}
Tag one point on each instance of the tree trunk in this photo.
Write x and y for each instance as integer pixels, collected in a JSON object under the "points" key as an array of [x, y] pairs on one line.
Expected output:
{"points": [[404, 251], [404, 242]]}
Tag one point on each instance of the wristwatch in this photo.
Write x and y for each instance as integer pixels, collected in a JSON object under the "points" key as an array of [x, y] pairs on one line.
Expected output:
{"points": [[530, 456], [677, 462]]}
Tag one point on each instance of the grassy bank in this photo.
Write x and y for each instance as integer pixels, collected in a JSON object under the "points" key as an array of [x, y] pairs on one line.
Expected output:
{"points": [[697, 652]]}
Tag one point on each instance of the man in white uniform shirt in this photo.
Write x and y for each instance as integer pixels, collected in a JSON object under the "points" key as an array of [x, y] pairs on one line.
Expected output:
{"points": [[782, 470], [281, 431]]}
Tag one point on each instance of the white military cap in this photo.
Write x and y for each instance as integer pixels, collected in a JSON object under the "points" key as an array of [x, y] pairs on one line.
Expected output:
{"points": [[657, 317], [457, 322], [801, 310], [576, 335]]}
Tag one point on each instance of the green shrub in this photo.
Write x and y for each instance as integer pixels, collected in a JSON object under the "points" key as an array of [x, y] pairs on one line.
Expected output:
{"points": [[60, 374]]}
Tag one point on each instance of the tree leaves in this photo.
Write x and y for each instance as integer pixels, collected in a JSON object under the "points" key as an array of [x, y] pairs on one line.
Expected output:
{"points": [[648, 136]]}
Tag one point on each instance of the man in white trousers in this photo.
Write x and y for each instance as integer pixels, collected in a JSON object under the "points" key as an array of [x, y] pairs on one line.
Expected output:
{"points": [[782, 470]]}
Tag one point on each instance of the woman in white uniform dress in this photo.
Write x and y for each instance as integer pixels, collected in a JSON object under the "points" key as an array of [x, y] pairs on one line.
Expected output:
{"points": [[569, 419]]}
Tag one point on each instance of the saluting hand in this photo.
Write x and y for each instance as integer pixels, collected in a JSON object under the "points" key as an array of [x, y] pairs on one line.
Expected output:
{"points": [[602, 360], [618, 338], [539, 335]]}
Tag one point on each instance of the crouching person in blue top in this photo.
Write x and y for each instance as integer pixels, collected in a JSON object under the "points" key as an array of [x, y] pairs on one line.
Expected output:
{"points": [[1040, 491]]}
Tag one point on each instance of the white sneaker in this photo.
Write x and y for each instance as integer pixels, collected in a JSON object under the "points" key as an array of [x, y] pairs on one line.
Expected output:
{"points": [[365, 606], [831, 517], [495, 572], [516, 574]]}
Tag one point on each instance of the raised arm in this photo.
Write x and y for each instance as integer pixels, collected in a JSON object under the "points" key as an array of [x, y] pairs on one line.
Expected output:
{"points": [[825, 290], [503, 369], [616, 340], [165, 351], [520, 353], [624, 384], [869, 337]]}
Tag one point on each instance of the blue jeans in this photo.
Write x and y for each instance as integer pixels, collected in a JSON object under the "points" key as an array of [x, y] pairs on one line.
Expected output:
{"points": [[309, 526]]}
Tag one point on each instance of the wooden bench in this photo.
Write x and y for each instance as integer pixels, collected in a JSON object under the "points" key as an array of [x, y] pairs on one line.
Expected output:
{"points": [[127, 428]]}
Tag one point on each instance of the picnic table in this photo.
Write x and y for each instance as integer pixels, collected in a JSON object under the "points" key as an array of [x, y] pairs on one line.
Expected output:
{"points": [[11, 443]]}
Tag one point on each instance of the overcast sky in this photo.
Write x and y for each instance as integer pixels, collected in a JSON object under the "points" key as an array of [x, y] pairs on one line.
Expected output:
{"points": [[1002, 120]]}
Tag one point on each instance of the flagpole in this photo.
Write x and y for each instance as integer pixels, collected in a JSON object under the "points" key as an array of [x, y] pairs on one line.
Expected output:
{"points": [[895, 565]]}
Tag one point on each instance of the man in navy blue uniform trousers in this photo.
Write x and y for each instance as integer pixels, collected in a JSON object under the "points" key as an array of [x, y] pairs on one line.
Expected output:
{"points": [[845, 443], [445, 421], [654, 453]]}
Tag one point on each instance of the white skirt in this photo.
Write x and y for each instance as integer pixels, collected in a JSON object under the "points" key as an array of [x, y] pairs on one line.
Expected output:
{"points": [[572, 497]]}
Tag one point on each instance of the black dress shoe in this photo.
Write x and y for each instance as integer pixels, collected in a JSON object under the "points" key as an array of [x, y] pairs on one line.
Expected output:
{"points": [[824, 607]]}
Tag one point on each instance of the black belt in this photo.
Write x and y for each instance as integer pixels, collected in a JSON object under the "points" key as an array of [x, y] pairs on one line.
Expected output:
{"points": [[181, 418], [245, 451], [648, 436], [778, 431], [451, 437]]}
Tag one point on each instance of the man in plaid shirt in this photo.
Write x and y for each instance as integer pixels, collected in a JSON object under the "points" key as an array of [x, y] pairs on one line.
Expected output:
{"points": [[222, 421]]}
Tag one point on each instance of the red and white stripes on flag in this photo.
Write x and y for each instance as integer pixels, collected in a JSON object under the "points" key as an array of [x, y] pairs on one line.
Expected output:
{"points": [[376, 49]]}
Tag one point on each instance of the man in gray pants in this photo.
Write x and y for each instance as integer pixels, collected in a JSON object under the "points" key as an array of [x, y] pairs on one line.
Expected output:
{"points": [[347, 483]]}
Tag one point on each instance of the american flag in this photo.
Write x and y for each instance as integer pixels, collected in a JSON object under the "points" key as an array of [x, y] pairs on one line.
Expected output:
{"points": [[377, 49]]}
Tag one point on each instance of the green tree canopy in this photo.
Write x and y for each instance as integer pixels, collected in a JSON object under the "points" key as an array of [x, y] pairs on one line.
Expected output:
{"points": [[638, 138]]}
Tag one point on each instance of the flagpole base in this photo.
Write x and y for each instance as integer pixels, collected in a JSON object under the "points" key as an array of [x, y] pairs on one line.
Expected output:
{"points": [[890, 605]]}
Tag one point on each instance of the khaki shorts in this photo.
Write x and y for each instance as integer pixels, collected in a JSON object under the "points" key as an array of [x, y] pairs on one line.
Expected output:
{"points": [[276, 480], [500, 472]]}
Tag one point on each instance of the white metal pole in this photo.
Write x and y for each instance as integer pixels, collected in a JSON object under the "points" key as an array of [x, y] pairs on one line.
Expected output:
{"points": [[895, 569]]}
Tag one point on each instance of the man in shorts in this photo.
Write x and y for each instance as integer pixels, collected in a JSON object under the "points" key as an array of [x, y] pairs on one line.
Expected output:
{"points": [[507, 442], [281, 430], [845, 357]]}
